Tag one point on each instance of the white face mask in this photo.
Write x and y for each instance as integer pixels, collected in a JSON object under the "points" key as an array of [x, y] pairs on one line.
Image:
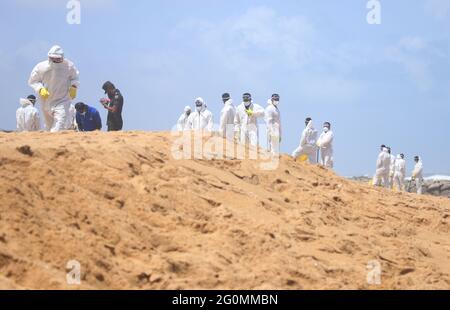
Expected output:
{"points": [[326, 129], [275, 103], [199, 109]]}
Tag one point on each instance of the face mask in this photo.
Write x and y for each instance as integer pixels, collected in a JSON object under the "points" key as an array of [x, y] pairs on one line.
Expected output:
{"points": [[199, 109], [275, 103], [326, 129], [56, 60], [188, 113]]}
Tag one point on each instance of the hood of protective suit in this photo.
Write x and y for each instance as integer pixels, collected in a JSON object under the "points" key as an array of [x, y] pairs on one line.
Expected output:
{"points": [[203, 104], [56, 52], [187, 109], [420, 161], [310, 125], [25, 102]]}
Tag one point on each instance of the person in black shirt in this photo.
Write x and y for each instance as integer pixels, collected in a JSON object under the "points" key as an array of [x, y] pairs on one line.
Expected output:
{"points": [[114, 105]]}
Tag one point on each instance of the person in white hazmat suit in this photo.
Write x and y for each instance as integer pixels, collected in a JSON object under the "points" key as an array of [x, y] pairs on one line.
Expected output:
{"points": [[201, 118], [417, 174], [381, 177], [273, 123], [227, 116], [56, 82], [400, 173], [308, 143], [27, 115], [391, 168], [246, 121], [182, 121], [325, 144]]}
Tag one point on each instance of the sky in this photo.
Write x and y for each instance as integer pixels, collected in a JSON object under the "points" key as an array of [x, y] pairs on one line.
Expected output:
{"points": [[387, 83]]}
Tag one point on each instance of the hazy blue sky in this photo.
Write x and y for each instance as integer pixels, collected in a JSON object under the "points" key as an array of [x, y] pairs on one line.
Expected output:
{"points": [[387, 83]]}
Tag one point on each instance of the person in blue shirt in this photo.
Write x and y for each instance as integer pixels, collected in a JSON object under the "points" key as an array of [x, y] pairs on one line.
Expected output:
{"points": [[88, 118]]}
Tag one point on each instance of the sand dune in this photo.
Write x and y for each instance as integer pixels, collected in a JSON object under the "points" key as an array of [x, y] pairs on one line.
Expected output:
{"points": [[135, 218]]}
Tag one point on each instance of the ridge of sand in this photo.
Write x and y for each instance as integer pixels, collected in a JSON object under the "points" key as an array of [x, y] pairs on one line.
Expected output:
{"points": [[135, 218]]}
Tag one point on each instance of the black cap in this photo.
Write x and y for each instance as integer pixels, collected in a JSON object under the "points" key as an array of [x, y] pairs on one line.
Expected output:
{"points": [[108, 85], [226, 96], [276, 96], [308, 119], [31, 97], [80, 106]]}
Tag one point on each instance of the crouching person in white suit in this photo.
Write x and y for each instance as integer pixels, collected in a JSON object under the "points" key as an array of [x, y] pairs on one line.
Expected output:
{"points": [[27, 115], [308, 143]]}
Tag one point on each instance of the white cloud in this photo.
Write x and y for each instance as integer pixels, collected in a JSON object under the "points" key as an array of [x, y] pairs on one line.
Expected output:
{"points": [[332, 89], [255, 40], [255, 50], [440, 9], [410, 53]]}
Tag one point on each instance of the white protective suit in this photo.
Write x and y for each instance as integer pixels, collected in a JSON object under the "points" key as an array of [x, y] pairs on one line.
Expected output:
{"points": [[182, 121], [247, 126], [273, 123], [227, 116], [381, 177], [71, 118], [399, 173], [392, 171], [27, 116], [308, 144], [418, 176], [200, 120], [325, 144], [57, 78]]}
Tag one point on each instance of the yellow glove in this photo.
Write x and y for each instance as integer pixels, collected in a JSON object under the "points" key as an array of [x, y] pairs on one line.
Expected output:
{"points": [[303, 158], [44, 93], [73, 92], [249, 112]]}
